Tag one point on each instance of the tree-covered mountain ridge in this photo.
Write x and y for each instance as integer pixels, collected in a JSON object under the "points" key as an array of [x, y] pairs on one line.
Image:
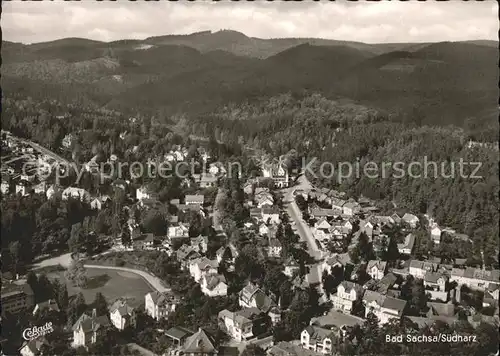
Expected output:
{"points": [[232, 41], [445, 82]]}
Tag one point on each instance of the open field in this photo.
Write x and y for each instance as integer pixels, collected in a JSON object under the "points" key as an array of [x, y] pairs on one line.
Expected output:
{"points": [[112, 284]]}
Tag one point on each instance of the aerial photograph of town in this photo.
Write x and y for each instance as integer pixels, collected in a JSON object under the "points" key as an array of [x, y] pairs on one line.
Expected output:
{"points": [[254, 178]]}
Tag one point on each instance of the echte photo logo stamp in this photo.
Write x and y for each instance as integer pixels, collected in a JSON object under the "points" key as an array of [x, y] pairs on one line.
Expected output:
{"points": [[35, 332]]}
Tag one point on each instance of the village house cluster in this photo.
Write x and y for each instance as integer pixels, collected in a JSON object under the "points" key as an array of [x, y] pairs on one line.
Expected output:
{"points": [[22, 166], [336, 222], [331, 219]]}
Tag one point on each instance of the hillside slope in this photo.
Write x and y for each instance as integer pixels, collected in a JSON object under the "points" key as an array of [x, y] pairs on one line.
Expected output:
{"points": [[439, 83]]}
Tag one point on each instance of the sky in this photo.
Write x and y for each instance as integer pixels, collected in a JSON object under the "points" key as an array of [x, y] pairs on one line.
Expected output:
{"points": [[387, 21]]}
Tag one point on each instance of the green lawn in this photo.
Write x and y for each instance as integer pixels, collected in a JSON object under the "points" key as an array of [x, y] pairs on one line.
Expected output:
{"points": [[112, 284]]}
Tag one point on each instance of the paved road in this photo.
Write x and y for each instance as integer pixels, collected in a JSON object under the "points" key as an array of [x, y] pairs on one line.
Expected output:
{"points": [[294, 212], [304, 231], [14, 159], [216, 214], [45, 151]]}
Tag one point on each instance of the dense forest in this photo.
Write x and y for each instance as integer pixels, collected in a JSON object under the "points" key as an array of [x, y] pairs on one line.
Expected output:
{"points": [[448, 82]]}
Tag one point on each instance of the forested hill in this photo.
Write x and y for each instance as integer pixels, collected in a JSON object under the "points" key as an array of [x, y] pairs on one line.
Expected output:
{"points": [[439, 83]]}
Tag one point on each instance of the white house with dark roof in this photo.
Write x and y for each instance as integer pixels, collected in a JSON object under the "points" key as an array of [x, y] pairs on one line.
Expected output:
{"points": [[68, 140], [268, 215], [185, 254], [263, 229], [239, 324], [406, 247], [411, 220], [213, 285], [217, 168], [436, 281], [121, 314], [351, 208], [337, 232], [5, 186], [436, 234], [50, 305], [335, 261], [384, 307], [396, 218], [321, 234], [251, 296], [88, 329], [317, 339], [376, 269], [418, 269], [347, 225], [322, 223], [271, 215], [248, 187], [347, 294], [264, 198], [199, 344], [100, 202], [275, 248], [230, 251], [179, 230], [159, 305], [202, 266]]}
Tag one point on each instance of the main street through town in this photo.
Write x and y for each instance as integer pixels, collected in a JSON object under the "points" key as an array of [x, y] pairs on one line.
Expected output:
{"points": [[304, 231]]}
